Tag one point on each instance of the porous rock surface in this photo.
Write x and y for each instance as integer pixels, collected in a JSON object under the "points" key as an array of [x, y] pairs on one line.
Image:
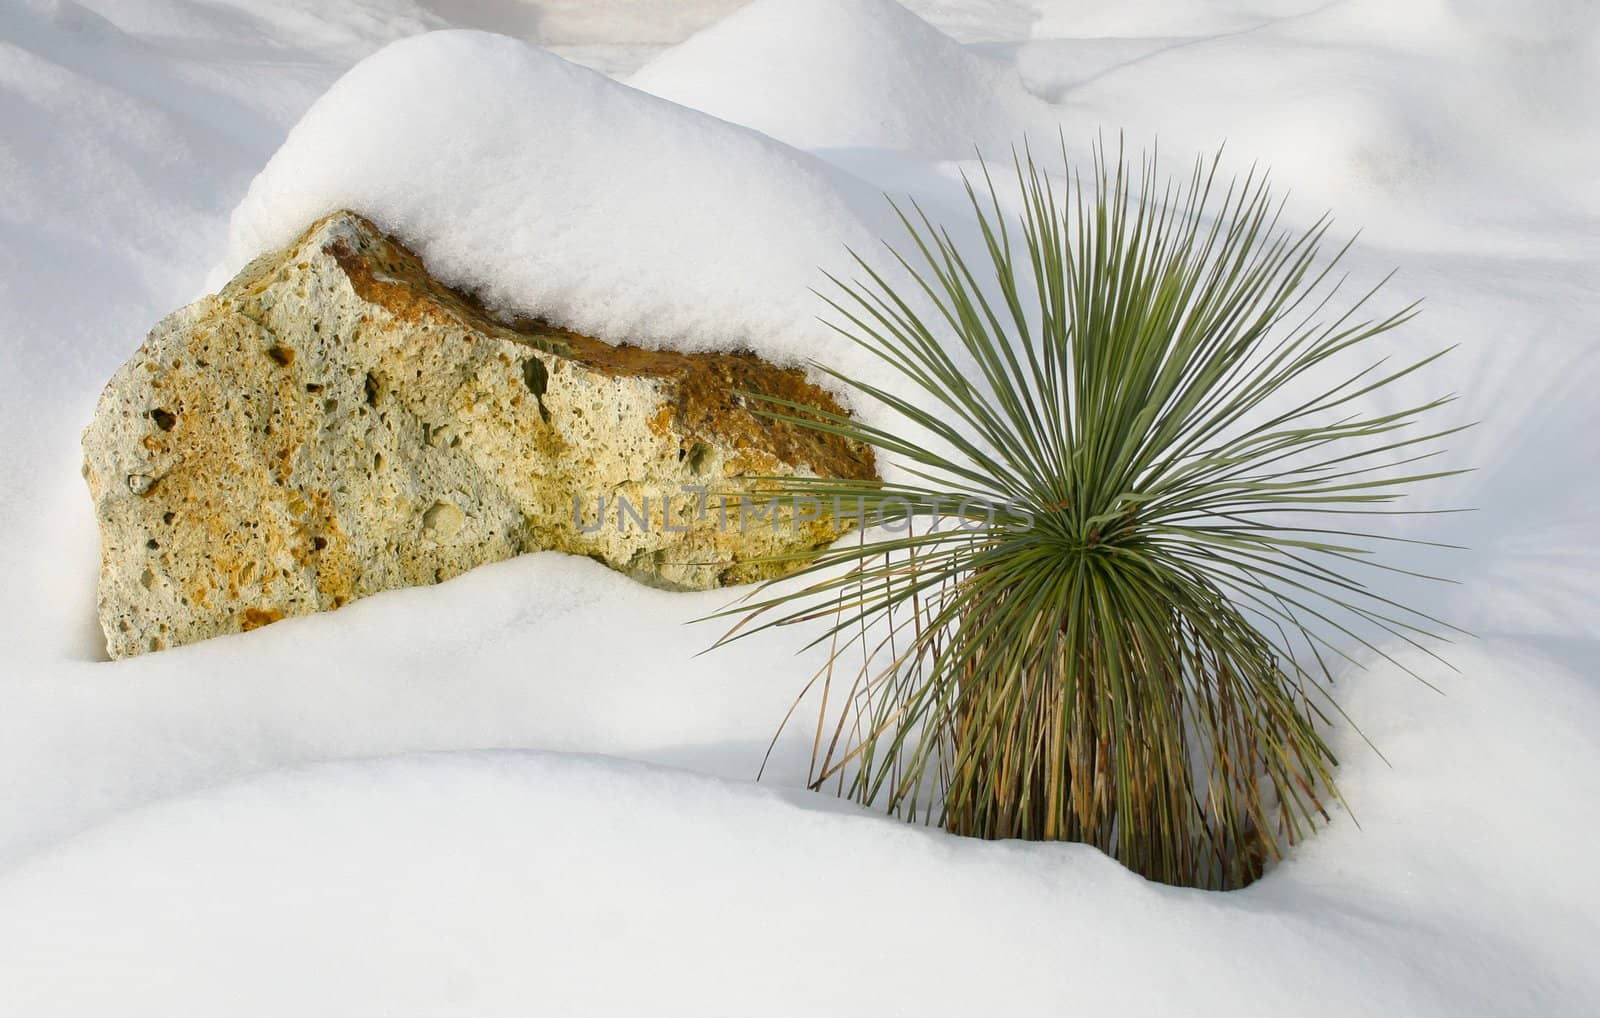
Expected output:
{"points": [[335, 423]]}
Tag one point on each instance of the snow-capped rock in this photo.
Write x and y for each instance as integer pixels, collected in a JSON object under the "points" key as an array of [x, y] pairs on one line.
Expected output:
{"points": [[336, 423]]}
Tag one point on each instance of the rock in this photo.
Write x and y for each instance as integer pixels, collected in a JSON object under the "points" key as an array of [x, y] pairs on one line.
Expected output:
{"points": [[336, 422]]}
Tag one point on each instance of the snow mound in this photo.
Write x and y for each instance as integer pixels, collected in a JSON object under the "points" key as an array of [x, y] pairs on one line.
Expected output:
{"points": [[517, 883], [551, 189], [847, 74]]}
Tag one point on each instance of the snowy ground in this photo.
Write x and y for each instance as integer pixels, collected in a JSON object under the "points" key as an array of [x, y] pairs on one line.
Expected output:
{"points": [[519, 792]]}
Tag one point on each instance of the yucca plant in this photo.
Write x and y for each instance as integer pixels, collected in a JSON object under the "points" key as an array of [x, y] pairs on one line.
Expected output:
{"points": [[1134, 530]]}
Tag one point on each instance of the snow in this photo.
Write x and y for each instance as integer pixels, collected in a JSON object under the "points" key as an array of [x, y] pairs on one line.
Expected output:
{"points": [[485, 883], [521, 791], [824, 74], [667, 226], [1431, 123]]}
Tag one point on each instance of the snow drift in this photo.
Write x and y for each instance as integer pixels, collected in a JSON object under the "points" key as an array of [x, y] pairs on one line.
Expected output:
{"points": [[847, 74], [1449, 121], [489, 884]]}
